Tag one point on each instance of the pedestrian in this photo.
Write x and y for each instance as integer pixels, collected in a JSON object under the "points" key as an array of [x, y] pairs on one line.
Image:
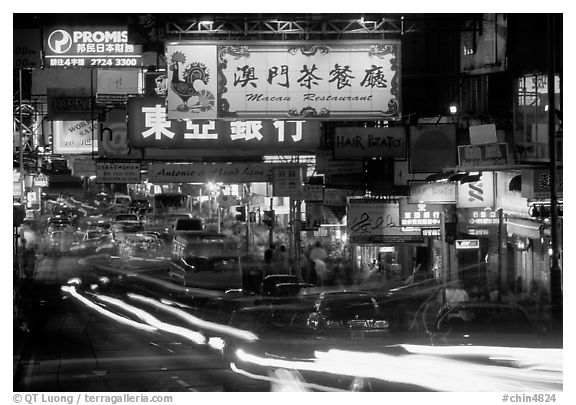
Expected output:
{"points": [[268, 255], [318, 252], [281, 260]]}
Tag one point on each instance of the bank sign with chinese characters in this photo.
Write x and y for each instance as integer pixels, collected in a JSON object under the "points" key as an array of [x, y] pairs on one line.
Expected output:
{"points": [[149, 127], [90, 46], [420, 215], [287, 80]]}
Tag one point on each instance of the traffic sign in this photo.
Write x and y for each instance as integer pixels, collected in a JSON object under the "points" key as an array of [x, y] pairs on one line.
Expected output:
{"points": [[467, 243]]}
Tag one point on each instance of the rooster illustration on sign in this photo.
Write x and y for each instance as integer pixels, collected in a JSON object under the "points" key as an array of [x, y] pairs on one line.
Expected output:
{"points": [[186, 83]]}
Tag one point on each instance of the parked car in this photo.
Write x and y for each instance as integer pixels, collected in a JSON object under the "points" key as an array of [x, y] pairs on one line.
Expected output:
{"points": [[351, 314]]}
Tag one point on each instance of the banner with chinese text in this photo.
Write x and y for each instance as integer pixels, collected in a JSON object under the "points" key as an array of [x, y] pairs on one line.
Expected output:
{"points": [[326, 80], [149, 127]]}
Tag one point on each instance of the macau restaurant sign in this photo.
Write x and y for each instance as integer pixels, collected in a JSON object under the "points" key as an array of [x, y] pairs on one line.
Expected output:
{"points": [[284, 80], [93, 46]]}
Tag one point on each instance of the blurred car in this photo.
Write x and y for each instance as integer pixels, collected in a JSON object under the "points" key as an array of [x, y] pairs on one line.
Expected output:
{"points": [[138, 206], [284, 293], [349, 314], [94, 241], [269, 282], [126, 223], [58, 241], [476, 323], [145, 245]]}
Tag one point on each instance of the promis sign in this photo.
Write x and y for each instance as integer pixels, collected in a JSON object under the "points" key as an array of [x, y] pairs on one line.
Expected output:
{"points": [[149, 127], [94, 46]]}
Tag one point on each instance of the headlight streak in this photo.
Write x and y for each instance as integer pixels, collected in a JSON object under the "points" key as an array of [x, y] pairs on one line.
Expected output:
{"points": [[195, 321], [193, 336], [431, 372], [546, 359], [317, 387], [72, 291]]}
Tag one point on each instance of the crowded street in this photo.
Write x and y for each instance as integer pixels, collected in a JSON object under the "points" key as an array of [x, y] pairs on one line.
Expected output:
{"points": [[287, 203]]}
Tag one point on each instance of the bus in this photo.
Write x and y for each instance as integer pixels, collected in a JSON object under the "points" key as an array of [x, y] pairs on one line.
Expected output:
{"points": [[206, 260]]}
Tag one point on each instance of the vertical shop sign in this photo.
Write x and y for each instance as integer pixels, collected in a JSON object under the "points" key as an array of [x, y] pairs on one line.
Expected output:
{"points": [[288, 182]]}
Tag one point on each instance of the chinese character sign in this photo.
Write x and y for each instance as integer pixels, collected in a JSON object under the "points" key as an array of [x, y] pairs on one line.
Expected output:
{"points": [[90, 46], [280, 80], [420, 215], [288, 182], [150, 127]]}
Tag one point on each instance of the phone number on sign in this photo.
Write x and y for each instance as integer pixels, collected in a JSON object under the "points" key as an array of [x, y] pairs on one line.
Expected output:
{"points": [[88, 62]]}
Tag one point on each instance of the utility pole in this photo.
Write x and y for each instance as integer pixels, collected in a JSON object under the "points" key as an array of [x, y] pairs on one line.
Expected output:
{"points": [[555, 271], [21, 151]]}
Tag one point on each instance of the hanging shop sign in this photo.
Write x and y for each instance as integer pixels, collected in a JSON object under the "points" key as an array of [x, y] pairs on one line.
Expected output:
{"points": [[478, 217], [209, 172], [313, 217], [420, 215], [72, 137], [90, 46], [41, 181], [510, 201], [113, 142], [360, 142], [288, 182], [149, 127], [377, 221], [431, 193], [402, 174], [337, 196], [325, 80], [536, 183], [478, 194], [83, 167], [325, 164], [70, 104], [313, 192], [467, 244], [114, 85], [488, 154], [118, 172], [432, 147]]}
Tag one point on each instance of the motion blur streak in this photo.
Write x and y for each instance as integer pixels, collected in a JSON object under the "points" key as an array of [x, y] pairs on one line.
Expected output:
{"points": [[161, 283], [72, 291], [195, 337], [193, 320], [432, 372], [536, 359], [304, 386]]}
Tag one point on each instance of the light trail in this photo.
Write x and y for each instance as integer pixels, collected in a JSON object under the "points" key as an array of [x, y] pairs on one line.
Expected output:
{"points": [[198, 322], [72, 291]]}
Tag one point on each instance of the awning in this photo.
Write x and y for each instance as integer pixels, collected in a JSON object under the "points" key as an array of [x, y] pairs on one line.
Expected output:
{"points": [[523, 227]]}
